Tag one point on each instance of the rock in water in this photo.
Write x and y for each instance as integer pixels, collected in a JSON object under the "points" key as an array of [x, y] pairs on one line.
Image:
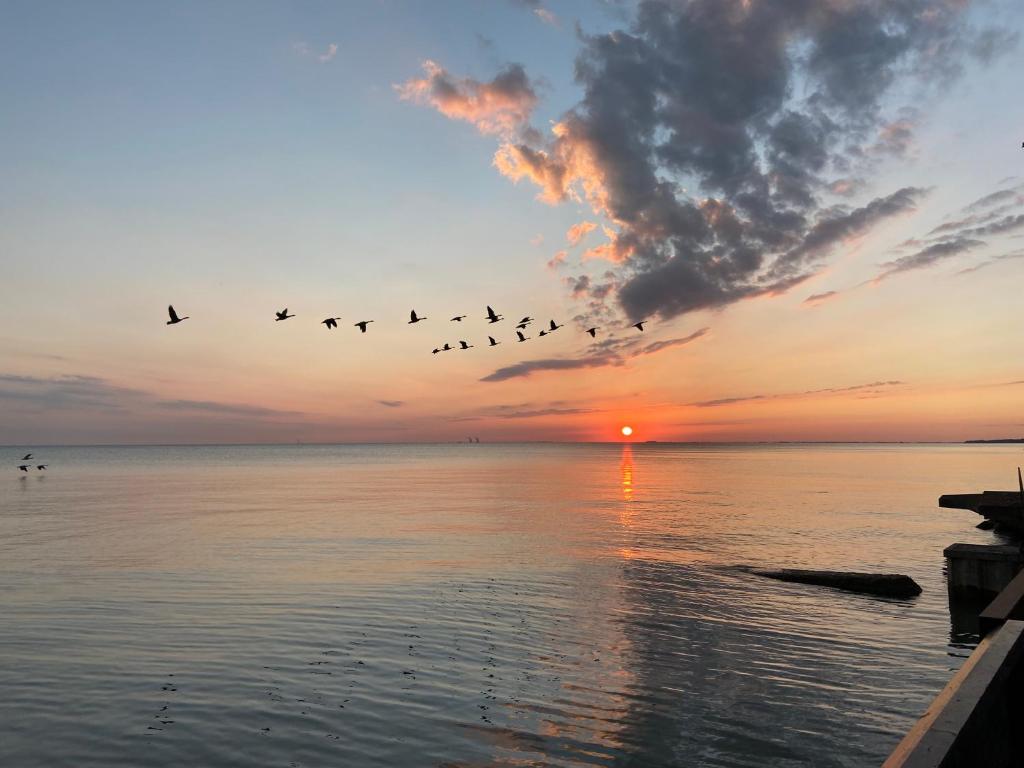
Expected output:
{"points": [[884, 584]]}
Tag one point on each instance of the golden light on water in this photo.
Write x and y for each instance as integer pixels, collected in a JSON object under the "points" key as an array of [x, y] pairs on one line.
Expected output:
{"points": [[627, 431]]}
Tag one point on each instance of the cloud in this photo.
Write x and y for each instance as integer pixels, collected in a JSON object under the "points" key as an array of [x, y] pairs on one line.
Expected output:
{"points": [[820, 298], [223, 409], [761, 108], [91, 393], [546, 16], [557, 259], [501, 106], [928, 256], [990, 262], [578, 231], [658, 346], [874, 387], [392, 403], [304, 49], [529, 367], [991, 199], [546, 412]]}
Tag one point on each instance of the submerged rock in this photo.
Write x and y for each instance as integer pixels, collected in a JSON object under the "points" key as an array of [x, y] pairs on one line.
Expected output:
{"points": [[884, 584]]}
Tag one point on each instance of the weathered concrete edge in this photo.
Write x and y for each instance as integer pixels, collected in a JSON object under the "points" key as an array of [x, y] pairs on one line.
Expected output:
{"points": [[933, 738]]}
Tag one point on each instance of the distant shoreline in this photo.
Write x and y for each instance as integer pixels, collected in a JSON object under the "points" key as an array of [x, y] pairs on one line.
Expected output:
{"points": [[998, 440], [1013, 440]]}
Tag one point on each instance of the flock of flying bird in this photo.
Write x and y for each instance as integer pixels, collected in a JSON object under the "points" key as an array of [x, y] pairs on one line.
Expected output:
{"points": [[491, 317], [26, 467]]}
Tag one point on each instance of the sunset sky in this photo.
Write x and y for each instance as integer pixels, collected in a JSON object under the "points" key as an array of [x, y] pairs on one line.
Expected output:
{"points": [[818, 205]]}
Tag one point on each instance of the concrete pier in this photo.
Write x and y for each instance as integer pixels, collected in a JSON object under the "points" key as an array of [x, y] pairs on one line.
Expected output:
{"points": [[982, 568]]}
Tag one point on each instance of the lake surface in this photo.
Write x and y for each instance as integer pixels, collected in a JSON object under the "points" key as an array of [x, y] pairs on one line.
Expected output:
{"points": [[472, 605]]}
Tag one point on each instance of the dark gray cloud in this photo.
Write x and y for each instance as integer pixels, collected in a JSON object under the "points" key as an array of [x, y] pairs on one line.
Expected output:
{"points": [[528, 367], [818, 298], [392, 403], [928, 256], [658, 346], [762, 108], [991, 199]]}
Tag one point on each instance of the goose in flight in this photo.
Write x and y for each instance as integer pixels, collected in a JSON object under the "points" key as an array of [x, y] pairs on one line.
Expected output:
{"points": [[464, 345], [592, 332], [283, 315], [174, 316], [434, 351], [553, 326], [521, 337], [23, 468], [447, 347], [492, 316], [543, 332], [361, 325], [40, 466], [459, 318], [526, 320], [522, 326], [26, 457], [330, 322], [492, 343], [639, 326], [413, 318]]}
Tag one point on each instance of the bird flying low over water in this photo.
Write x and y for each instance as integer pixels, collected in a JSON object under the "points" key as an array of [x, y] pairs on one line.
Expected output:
{"points": [[592, 332], [492, 343], [521, 337], [464, 345], [330, 322], [361, 325], [639, 326], [174, 316], [492, 316], [26, 457], [553, 326], [413, 318], [23, 468], [283, 315], [459, 318]]}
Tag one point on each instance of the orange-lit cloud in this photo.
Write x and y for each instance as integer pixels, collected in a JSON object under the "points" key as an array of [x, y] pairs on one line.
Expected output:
{"points": [[578, 231], [501, 106]]}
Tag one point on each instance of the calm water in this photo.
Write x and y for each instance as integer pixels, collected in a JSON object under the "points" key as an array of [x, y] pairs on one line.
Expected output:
{"points": [[473, 605]]}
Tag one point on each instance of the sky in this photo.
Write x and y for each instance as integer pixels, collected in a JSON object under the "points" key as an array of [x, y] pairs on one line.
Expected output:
{"points": [[816, 205]]}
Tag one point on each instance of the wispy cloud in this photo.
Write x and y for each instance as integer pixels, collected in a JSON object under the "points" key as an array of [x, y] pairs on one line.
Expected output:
{"points": [[874, 387], [578, 231], [820, 298], [304, 49], [392, 403]]}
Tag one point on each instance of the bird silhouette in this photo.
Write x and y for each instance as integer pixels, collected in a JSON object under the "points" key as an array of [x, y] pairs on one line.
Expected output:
{"points": [[492, 316], [26, 457], [526, 320], [639, 326], [553, 326], [330, 322], [592, 332], [40, 466], [361, 325], [23, 468], [174, 316], [434, 351], [521, 337], [492, 343], [543, 333], [458, 318], [283, 315], [447, 347], [522, 326], [464, 345], [413, 318]]}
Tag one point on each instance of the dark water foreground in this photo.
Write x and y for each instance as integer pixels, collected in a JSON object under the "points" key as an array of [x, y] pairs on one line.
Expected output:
{"points": [[473, 605]]}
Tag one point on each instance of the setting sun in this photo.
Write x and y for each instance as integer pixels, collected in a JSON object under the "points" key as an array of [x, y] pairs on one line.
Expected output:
{"points": [[627, 431]]}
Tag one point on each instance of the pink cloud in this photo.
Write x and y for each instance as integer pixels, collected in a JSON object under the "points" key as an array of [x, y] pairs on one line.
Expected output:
{"points": [[578, 231]]}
